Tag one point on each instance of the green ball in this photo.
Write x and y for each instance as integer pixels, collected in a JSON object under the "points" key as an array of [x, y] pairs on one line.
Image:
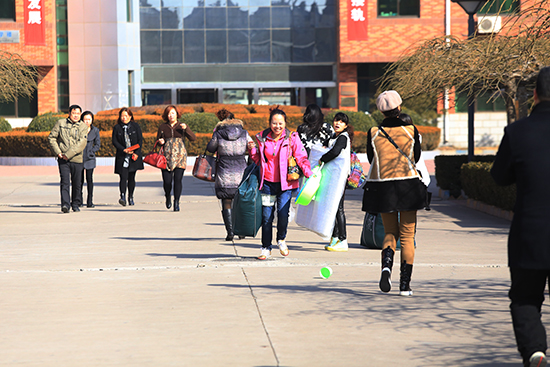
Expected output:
{"points": [[326, 272]]}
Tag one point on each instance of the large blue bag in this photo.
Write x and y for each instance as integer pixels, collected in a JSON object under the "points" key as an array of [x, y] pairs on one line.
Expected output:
{"points": [[246, 209]]}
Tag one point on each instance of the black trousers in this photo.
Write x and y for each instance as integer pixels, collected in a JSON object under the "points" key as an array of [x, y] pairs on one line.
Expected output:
{"points": [[527, 295], [340, 223], [89, 175], [70, 174], [177, 176], [127, 180]]}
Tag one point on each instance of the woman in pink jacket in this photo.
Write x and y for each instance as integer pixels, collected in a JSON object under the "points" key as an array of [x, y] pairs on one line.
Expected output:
{"points": [[275, 145]]}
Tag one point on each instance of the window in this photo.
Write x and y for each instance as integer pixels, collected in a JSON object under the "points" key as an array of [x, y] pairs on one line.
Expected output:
{"points": [[500, 7], [483, 103], [22, 107], [401, 8], [7, 10]]}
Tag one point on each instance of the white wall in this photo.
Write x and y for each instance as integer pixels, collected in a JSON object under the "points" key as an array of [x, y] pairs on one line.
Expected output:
{"points": [[103, 47], [488, 128]]}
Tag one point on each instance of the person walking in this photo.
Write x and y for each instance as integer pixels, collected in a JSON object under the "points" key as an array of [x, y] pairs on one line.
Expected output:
{"points": [[229, 141], [393, 187], [170, 135], [340, 144], [92, 147], [128, 141], [275, 145], [523, 158], [68, 140], [314, 131]]}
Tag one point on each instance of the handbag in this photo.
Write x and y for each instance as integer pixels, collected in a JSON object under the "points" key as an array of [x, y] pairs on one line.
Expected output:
{"points": [[293, 172], [156, 159], [246, 216], [356, 178], [205, 167], [428, 195]]}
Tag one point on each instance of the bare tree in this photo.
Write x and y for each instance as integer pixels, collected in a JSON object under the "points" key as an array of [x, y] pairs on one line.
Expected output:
{"points": [[506, 63], [18, 78]]}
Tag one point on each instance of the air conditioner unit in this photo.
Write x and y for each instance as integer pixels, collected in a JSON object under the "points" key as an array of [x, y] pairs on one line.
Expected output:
{"points": [[489, 24]]}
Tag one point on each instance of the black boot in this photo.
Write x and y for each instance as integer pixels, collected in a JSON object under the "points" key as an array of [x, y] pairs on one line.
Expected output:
{"points": [[405, 279], [122, 200], [226, 214], [168, 201], [176, 205], [387, 264], [130, 200]]}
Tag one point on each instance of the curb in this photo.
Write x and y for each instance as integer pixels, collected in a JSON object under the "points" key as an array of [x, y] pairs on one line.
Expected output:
{"points": [[479, 206]]}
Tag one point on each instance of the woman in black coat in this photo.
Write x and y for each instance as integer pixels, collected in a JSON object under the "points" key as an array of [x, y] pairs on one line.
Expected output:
{"points": [[92, 147], [229, 141], [128, 140]]}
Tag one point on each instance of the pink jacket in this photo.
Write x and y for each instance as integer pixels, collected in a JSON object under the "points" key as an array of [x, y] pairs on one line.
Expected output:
{"points": [[298, 150]]}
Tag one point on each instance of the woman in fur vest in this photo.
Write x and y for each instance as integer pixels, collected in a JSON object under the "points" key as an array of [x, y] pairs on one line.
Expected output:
{"points": [[229, 141]]}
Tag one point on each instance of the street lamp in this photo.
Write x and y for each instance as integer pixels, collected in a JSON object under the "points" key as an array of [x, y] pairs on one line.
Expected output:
{"points": [[470, 7]]}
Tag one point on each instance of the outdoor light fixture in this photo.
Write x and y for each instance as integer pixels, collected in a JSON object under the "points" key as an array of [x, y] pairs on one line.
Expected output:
{"points": [[471, 7]]}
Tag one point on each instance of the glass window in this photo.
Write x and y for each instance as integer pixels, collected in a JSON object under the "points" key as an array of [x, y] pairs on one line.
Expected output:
{"points": [[154, 97], [7, 9], [238, 46], [216, 18], [194, 19], [256, 3], [172, 18], [325, 45], [193, 46], [216, 46], [149, 18], [282, 46], [393, 8], [259, 46], [303, 42], [172, 3], [238, 96], [281, 17], [237, 18], [215, 3], [197, 95], [172, 47], [483, 103], [150, 47], [260, 18], [500, 7], [145, 3]]}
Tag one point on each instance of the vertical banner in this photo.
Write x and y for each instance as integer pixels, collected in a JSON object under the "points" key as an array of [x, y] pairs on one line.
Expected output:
{"points": [[357, 20], [35, 30]]}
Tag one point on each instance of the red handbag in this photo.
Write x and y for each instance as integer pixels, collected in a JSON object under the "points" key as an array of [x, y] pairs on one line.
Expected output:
{"points": [[156, 159]]}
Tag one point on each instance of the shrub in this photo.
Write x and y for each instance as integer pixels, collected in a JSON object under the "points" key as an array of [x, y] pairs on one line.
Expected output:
{"points": [[478, 184], [431, 137], [45, 121], [447, 170], [4, 125], [417, 119], [202, 122]]}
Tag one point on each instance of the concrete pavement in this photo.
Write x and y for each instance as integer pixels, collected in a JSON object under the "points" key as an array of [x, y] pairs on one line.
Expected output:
{"points": [[145, 286]]}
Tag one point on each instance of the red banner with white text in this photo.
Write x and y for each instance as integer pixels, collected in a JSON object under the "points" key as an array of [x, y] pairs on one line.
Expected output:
{"points": [[357, 20], [35, 30]]}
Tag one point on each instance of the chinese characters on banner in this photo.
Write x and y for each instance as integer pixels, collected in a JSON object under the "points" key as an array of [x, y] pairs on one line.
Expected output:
{"points": [[35, 30], [357, 20]]}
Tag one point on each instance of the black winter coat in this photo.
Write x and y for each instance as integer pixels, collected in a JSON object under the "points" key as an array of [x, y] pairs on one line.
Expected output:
{"points": [[92, 147], [523, 158], [134, 131]]}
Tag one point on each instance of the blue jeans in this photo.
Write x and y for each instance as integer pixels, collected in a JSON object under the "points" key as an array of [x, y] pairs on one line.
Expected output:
{"points": [[282, 204]]}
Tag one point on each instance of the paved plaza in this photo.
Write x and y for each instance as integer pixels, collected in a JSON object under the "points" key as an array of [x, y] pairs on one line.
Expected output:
{"points": [[146, 286]]}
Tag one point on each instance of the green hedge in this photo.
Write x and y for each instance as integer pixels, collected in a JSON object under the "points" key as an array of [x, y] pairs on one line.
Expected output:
{"points": [[447, 170], [359, 120], [4, 125], [478, 184], [45, 121]]}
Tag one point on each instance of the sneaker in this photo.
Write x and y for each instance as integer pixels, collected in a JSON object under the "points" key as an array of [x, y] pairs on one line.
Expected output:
{"points": [[385, 281], [333, 241], [283, 249], [65, 209], [537, 359], [406, 293], [266, 254], [339, 246]]}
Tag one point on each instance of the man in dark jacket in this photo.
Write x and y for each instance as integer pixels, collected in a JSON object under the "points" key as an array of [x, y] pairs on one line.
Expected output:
{"points": [[523, 158], [68, 139]]}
